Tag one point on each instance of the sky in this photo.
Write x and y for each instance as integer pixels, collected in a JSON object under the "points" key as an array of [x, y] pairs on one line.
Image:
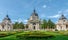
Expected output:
{"points": [[21, 10]]}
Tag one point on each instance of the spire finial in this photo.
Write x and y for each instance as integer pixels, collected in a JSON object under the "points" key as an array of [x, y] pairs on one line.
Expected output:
{"points": [[7, 15], [34, 10], [62, 17], [62, 14], [34, 13]]}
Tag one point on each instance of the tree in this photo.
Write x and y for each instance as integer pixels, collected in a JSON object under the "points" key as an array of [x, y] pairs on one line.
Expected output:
{"points": [[50, 24], [15, 25], [44, 24], [18, 25], [21, 25]]}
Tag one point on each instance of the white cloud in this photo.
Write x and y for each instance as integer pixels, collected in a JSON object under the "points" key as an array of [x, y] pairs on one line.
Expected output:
{"points": [[25, 21], [13, 21], [55, 16], [65, 12], [19, 20], [44, 6]]}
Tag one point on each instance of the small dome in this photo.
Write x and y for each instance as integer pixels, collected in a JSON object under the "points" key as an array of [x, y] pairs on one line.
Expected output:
{"points": [[34, 13], [62, 17], [7, 18]]}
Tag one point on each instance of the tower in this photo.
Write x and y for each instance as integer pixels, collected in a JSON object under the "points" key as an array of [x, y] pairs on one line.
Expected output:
{"points": [[34, 22], [6, 24], [62, 23]]}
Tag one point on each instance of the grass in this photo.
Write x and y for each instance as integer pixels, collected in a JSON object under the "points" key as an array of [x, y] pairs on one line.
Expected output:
{"points": [[58, 35]]}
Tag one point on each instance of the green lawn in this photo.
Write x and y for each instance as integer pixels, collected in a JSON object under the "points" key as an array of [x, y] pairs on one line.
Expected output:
{"points": [[36, 35]]}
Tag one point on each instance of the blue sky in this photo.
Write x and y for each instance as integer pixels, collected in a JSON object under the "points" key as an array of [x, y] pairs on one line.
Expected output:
{"points": [[20, 10]]}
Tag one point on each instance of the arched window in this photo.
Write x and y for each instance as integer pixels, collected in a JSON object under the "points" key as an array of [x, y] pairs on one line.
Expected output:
{"points": [[60, 27], [8, 27], [66, 26], [34, 23], [3, 27]]}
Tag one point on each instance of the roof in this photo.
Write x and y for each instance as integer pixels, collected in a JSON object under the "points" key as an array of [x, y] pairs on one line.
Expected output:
{"points": [[34, 13], [7, 18], [62, 17]]}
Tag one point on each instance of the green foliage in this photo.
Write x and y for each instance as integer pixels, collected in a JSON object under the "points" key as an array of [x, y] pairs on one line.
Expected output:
{"points": [[35, 35], [44, 24], [26, 26], [17, 25], [4, 34], [49, 35], [50, 24]]}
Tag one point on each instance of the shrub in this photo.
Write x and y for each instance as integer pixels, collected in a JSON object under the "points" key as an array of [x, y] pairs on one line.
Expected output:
{"points": [[34, 35], [12, 33], [3, 34]]}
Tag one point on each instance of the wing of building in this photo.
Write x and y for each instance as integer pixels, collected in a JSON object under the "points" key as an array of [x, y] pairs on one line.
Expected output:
{"points": [[62, 23], [34, 22], [6, 24]]}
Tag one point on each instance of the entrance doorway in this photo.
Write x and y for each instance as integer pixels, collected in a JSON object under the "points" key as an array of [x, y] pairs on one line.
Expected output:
{"points": [[34, 27]]}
